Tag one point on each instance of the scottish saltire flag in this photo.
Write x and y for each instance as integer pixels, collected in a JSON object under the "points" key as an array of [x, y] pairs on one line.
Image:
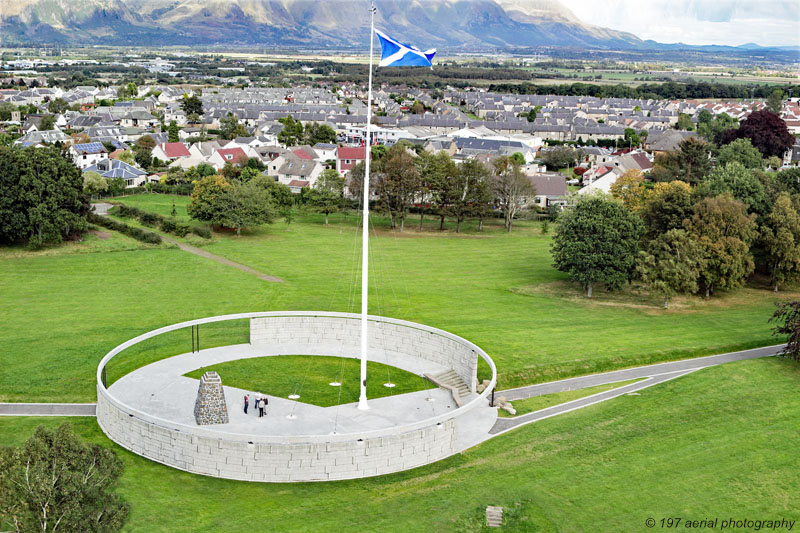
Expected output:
{"points": [[396, 54]]}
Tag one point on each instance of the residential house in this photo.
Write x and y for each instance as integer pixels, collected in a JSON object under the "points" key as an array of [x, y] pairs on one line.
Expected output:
{"points": [[170, 151], [347, 157], [550, 189], [114, 168], [236, 156], [88, 154]]}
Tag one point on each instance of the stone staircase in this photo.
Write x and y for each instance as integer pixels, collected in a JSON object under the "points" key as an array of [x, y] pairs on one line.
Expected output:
{"points": [[494, 516], [451, 381]]}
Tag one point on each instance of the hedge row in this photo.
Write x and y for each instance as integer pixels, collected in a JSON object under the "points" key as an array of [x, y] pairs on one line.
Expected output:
{"points": [[137, 233], [165, 224]]}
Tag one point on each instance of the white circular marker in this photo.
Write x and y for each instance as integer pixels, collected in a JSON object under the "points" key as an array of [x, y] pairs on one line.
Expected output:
{"points": [[430, 399], [291, 417], [335, 384], [294, 396], [390, 385]]}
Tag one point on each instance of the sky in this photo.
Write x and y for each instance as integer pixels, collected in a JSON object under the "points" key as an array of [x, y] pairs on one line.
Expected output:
{"points": [[730, 22]]}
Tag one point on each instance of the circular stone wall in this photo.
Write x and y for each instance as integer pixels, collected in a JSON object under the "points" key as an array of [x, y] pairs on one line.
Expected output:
{"points": [[314, 457]]}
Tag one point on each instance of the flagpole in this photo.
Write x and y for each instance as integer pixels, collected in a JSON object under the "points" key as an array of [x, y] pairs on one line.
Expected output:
{"points": [[362, 400]]}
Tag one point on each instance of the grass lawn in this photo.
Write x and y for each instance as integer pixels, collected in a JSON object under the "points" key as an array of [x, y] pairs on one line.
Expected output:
{"points": [[310, 377], [685, 448], [157, 203], [544, 401], [63, 311]]}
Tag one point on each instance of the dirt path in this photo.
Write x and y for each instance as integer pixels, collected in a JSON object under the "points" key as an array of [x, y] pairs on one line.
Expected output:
{"points": [[227, 262]]}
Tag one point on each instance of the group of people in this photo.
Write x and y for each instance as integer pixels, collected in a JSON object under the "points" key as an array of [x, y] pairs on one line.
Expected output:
{"points": [[260, 402]]}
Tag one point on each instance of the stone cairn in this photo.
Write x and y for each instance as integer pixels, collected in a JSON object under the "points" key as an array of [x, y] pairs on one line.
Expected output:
{"points": [[210, 406]]}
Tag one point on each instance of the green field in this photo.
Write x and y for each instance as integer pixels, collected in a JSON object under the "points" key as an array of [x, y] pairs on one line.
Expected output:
{"points": [[310, 377], [63, 309], [685, 448], [157, 203], [537, 403]]}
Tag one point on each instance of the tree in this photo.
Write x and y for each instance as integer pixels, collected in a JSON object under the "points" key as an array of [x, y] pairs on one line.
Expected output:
{"points": [[243, 204], [438, 182], [597, 242], [417, 108], [397, 183], [192, 105], [780, 236], [671, 264], [787, 317], [143, 150], [741, 151], [229, 127], [128, 156], [58, 106], [94, 183], [742, 183], [630, 189], [292, 132], [560, 157], [632, 138], [41, 196], [669, 205], [56, 482], [725, 231], [47, 123], [512, 188], [327, 194], [204, 204], [319, 133], [775, 101], [693, 161], [6, 108], [712, 129], [173, 132], [766, 131], [684, 122], [471, 192]]}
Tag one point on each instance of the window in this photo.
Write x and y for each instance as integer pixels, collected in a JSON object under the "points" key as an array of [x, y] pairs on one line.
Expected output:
{"points": [[228, 156]]}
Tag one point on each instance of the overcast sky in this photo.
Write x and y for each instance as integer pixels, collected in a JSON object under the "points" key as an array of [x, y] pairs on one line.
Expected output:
{"points": [[731, 22]]}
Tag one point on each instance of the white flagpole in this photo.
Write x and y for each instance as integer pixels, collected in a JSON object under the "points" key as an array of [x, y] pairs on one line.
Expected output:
{"points": [[362, 400]]}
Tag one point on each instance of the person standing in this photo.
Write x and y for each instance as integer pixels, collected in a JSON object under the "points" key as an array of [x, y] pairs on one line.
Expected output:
{"points": [[261, 407], [257, 399], [266, 403], [246, 402]]}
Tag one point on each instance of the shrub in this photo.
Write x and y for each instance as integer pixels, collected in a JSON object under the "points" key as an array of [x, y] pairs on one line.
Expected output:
{"points": [[137, 233], [182, 229], [201, 231]]}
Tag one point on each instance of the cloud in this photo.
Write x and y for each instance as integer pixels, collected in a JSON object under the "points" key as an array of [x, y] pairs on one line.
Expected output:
{"points": [[731, 22]]}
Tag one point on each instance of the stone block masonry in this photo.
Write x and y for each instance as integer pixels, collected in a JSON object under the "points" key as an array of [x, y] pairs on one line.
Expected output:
{"points": [[210, 408]]}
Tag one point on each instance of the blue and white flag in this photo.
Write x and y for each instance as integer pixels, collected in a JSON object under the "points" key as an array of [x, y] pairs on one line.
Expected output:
{"points": [[396, 54]]}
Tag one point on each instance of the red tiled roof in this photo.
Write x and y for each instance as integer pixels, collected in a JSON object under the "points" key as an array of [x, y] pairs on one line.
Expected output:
{"points": [[298, 183], [237, 154], [642, 161], [302, 154], [351, 152], [175, 150]]}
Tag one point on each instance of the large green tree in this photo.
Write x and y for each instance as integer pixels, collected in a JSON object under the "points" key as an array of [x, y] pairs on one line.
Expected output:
{"points": [[671, 263], [397, 183], [741, 151], [723, 228], [172, 129], [597, 241], [712, 128], [192, 105], [292, 133], [327, 194], [319, 133], [438, 175], [55, 482], [204, 204], [787, 317], [471, 194], [781, 239], [667, 208], [775, 101], [741, 182], [243, 204], [41, 196]]}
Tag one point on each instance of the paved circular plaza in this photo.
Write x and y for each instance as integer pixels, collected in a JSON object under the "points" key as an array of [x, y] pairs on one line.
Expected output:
{"points": [[151, 410]]}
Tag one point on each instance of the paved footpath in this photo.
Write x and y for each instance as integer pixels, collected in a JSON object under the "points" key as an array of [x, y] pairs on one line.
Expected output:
{"points": [[47, 409], [655, 374]]}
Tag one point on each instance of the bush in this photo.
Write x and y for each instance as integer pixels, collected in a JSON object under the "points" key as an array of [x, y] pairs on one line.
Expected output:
{"points": [[149, 219], [137, 233], [182, 229], [201, 231]]}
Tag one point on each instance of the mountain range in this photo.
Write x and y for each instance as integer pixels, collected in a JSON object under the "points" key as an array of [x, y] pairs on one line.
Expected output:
{"points": [[444, 24]]}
